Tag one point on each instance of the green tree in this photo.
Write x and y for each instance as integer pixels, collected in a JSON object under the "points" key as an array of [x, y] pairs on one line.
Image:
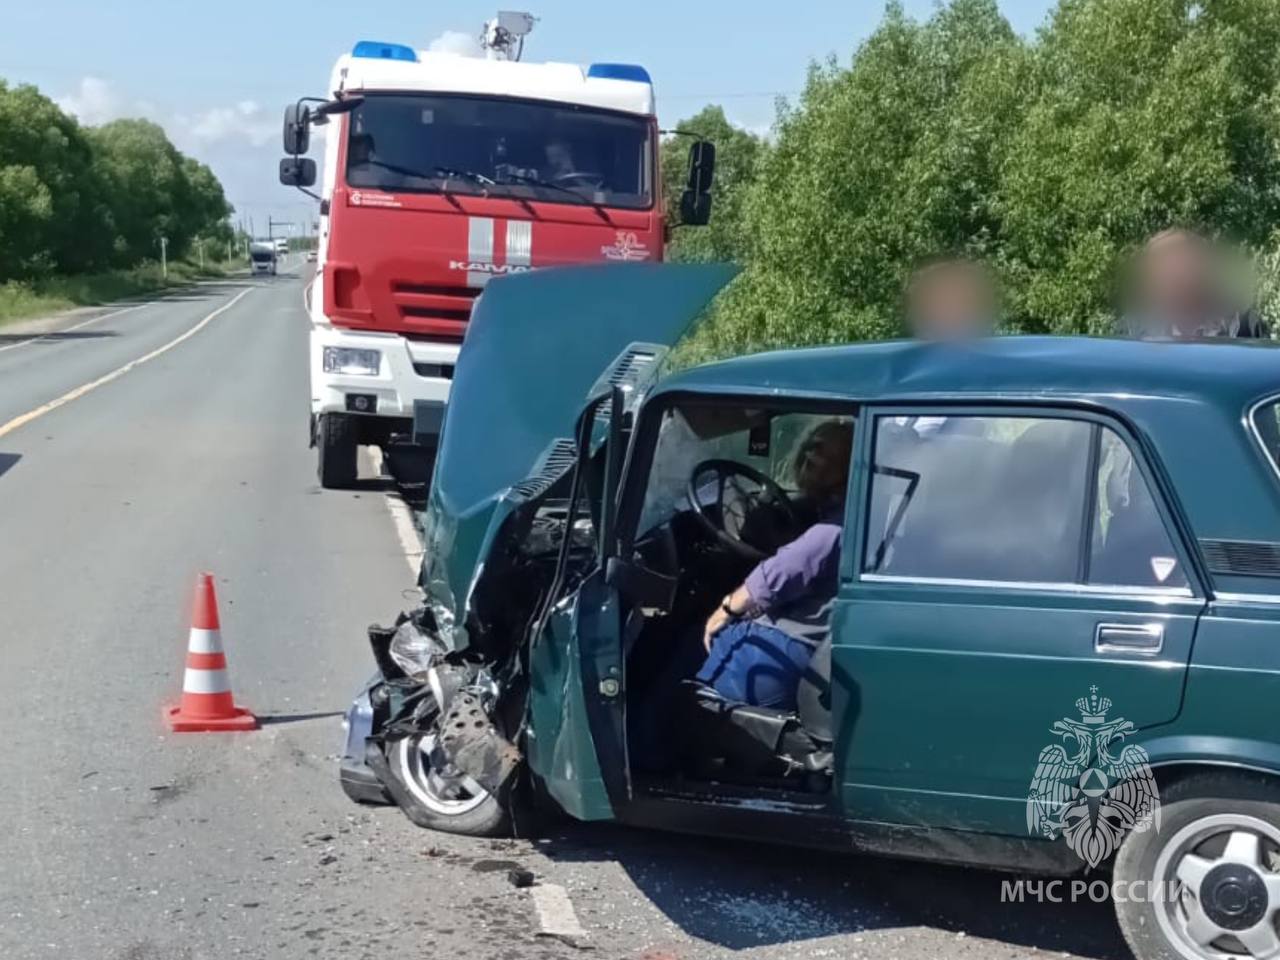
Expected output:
{"points": [[148, 189], [738, 152], [1146, 114], [209, 210], [879, 165], [50, 213]]}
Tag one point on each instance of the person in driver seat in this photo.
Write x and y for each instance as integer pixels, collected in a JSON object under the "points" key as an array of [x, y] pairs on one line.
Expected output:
{"points": [[763, 634]]}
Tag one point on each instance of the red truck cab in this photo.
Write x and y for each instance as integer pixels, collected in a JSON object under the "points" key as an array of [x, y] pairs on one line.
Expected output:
{"points": [[441, 173]]}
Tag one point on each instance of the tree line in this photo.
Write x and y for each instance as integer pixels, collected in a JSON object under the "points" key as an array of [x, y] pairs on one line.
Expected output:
{"points": [[75, 199], [1049, 158]]}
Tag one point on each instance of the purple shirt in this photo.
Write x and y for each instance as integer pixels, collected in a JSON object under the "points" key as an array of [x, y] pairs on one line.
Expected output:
{"points": [[793, 589]]}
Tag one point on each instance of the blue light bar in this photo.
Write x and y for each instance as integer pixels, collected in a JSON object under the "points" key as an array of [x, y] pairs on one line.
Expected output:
{"points": [[376, 50], [619, 71]]}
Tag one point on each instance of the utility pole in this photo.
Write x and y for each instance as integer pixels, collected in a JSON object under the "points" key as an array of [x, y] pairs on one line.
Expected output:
{"points": [[164, 261], [272, 224], [200, 247]]}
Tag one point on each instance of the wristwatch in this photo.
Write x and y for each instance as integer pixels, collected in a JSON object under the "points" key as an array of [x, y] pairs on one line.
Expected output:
{"points": [[733, 614]]}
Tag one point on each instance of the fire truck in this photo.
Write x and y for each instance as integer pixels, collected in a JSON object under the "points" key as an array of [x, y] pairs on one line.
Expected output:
{"points": [[442, 173]]}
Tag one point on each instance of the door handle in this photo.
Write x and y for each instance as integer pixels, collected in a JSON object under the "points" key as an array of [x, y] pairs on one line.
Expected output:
{"points": [[1142, 638]]}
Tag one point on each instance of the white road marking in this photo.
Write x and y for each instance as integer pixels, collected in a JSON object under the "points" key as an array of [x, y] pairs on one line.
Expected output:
{"points": [[81, 390], [556, 914], [78, 326], [401, 519]]}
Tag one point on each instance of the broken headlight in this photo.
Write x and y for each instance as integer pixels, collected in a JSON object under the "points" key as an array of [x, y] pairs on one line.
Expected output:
{"points": [[412, 650]]}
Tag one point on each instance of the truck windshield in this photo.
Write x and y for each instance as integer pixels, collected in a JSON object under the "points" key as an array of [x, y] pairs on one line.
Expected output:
{"points": [[556, 153]]}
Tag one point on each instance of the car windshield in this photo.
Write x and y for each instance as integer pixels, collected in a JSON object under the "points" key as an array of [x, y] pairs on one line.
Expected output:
{"points": [[1266, 421], [527, 150], [760, 439]]}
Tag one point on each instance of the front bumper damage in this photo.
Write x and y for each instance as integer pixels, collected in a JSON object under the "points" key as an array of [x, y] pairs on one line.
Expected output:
{"points": [[457, 700]]}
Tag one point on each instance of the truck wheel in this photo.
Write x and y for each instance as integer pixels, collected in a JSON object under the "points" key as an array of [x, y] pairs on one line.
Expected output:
{"points": [[1206, 885], [336, 443]]}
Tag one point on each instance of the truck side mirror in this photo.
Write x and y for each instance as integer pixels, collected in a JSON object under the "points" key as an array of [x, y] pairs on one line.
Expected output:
{"points": [[297, 171], [695, 202], [297, 129]]}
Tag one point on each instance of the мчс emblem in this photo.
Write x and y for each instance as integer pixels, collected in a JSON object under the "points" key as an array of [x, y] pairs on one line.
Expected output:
{"points": [[1091, 789]]}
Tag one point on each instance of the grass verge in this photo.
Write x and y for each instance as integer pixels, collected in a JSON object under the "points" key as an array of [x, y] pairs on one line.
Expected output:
{"points": [[20, 300]]}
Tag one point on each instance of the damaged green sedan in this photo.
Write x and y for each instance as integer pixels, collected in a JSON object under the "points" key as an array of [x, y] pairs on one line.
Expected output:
{"points": [[1013, 603]]}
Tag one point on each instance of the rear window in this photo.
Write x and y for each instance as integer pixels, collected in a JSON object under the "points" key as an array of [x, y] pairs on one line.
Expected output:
{"points": [[1266, 421]]}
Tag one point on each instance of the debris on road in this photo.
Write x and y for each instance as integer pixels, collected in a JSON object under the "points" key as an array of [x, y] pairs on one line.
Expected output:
{"points": [[520, 877]]}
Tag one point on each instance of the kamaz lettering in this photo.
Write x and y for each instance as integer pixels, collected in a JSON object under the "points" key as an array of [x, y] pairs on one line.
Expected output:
{"points": [[497, 268]]}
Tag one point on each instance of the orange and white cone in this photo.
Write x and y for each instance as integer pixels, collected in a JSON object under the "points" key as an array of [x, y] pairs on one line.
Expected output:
{"points": [[206, 702]]}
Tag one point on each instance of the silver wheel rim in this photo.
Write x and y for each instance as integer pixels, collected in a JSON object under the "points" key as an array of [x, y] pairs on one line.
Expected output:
{"points": [[434, 782], [1220, 889]]}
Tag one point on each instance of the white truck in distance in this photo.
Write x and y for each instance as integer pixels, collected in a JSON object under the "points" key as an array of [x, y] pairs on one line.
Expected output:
{"points": [[262, 258]]}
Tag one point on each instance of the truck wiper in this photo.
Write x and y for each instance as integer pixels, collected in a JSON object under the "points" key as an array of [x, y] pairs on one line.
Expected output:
{"points": [[536, 182], [477, 178], [579, 198], [448, 173]]}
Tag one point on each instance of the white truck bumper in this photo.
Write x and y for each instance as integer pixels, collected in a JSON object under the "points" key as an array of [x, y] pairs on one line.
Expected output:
{"points": [[408, 371]]}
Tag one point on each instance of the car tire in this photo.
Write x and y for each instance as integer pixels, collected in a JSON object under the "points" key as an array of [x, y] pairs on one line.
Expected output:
{"points": [[435, 796], [336, 444], [1211, 870]]}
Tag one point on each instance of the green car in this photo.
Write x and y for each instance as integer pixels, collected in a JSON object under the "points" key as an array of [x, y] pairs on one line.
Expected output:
{"points": [[1052, 642]]}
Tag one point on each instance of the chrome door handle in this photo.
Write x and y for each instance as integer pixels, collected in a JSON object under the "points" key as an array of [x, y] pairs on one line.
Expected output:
{"points": [[1143, 638]]}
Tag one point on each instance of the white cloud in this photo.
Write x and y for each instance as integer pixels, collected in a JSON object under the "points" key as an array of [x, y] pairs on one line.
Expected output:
{"points": [[240, 141], [245, 122], [93, 102], [456, 42]]}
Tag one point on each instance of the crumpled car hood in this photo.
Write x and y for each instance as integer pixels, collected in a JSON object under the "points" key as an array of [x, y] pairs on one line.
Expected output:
{"points": [[536, 346]]}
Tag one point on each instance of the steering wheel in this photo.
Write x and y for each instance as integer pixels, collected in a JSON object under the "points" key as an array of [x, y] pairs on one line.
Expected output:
{"points": [[729, 477], [579, 178]]}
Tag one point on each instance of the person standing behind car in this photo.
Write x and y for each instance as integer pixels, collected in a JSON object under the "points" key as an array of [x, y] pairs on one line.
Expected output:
{"points": [[951, 299], [948, 300], [1180, 288]]}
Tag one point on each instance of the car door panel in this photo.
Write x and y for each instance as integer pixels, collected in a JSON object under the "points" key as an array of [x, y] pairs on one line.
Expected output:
{"points": [[575, 740], [956, 689]]}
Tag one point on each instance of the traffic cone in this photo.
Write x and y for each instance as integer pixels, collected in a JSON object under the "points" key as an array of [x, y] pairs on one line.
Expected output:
{"points": [[206, 692]]}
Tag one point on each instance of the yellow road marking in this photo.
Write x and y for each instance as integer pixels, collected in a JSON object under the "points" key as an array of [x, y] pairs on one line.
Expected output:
{"points": [[81, 390]]}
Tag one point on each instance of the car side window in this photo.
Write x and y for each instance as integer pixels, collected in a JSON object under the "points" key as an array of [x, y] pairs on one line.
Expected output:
{"points": [[1130, 544], [979, 498]]}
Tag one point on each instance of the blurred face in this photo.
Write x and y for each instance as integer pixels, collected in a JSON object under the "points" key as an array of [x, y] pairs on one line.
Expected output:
{"points": [[558, 157], [951, 301], [822, 463], [1177, 290]]}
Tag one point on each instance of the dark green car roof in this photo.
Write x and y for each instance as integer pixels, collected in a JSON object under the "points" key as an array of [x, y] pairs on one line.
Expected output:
{"points": [[1230, 372], [1188, 402]]}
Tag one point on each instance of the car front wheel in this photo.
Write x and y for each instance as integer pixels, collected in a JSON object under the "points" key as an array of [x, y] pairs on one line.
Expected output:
{"points": [[1206, 885], [436, 795]]}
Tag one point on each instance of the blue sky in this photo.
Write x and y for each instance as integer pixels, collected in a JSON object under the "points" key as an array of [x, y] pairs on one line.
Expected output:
{"points": [[217, 76]]}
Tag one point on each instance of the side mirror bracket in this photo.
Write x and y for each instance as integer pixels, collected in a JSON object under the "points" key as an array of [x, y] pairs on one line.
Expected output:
{"points": [[295, 169]]}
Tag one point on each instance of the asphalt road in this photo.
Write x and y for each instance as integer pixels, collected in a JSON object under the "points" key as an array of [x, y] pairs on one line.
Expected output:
{"points": [[121, 841]]}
